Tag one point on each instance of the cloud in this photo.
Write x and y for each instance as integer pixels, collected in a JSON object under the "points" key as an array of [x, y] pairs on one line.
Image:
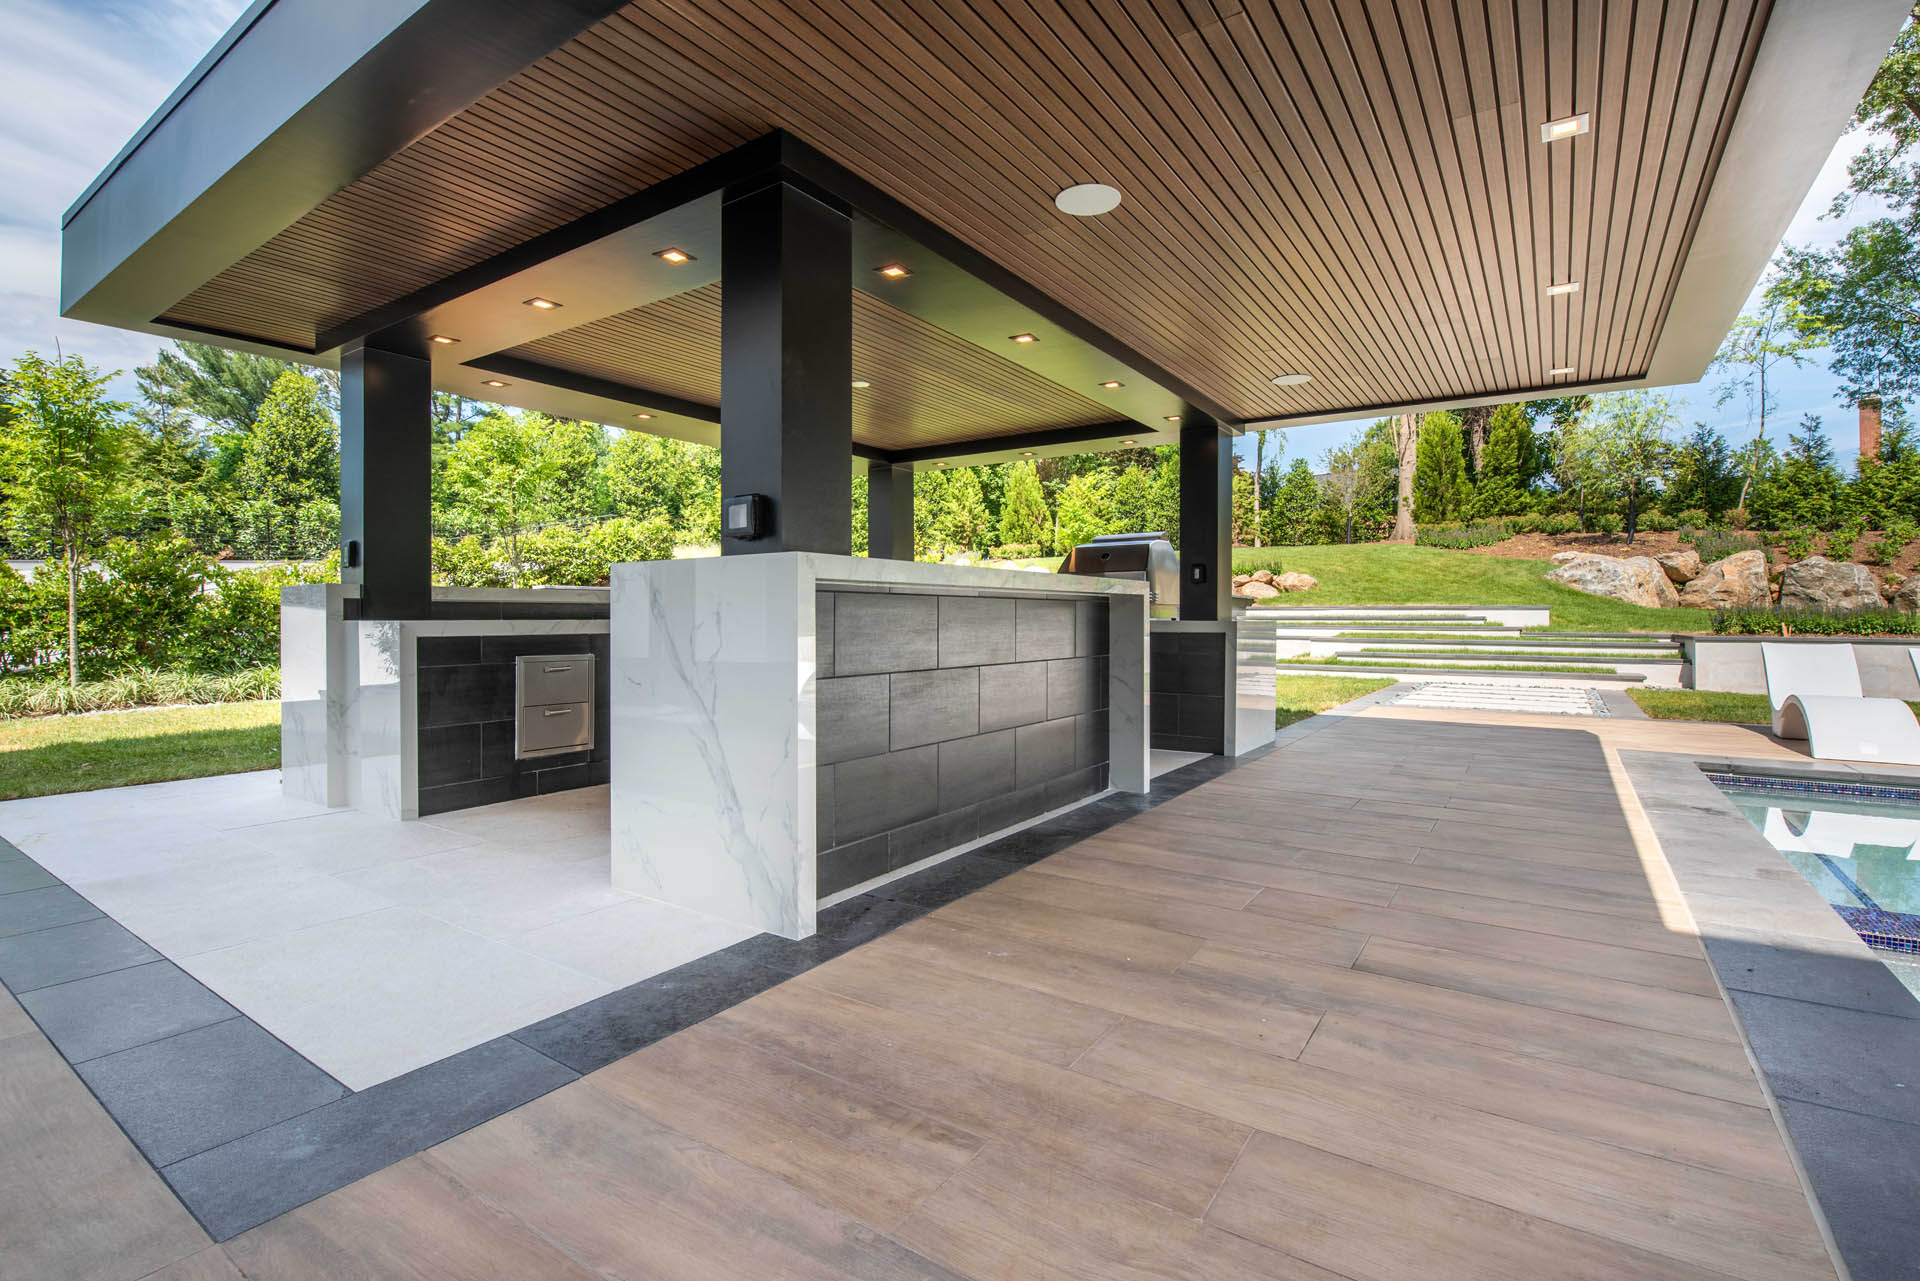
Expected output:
{"points": [[76, 81]]}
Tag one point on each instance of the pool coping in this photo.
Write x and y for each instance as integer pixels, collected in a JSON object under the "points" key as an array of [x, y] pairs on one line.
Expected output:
{"points": [[1827, 1026]]}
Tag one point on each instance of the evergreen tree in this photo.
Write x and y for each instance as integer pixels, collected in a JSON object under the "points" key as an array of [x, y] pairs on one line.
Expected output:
{"points": [[958, 521], [1243, 517], [290, 468], [1131, 502], [1292, 508], [1441, 490], [1705, 475], [1023, 509], [650, 475], [1082, 510], [1804, 488], [1506, 464]]}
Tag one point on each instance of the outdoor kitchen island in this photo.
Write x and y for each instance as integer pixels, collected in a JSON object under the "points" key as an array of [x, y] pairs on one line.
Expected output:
{"points": [[786, 727]]}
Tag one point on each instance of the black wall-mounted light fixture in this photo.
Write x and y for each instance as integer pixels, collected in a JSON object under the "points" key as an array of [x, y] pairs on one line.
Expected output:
{"points": [[744, 516]]}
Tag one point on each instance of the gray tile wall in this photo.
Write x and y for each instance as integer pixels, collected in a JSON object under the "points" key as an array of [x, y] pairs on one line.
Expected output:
{"points": [[941, 719], [1188, 684]]}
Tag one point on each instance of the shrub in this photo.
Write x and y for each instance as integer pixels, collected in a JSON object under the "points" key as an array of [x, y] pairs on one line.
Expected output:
{"points": [[1842, 542], [1558, 523], [1808, 622], [1460, 537], [1886, 549], [1606, 523], [136, 687], [1797, 544], [1018, 551], [1658, 523], [1718, 544], [1691, 519], [559, 556]]}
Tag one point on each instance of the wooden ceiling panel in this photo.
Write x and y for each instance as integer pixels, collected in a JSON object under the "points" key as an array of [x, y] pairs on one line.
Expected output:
{"points": [[1354, 189], [928, 388]]}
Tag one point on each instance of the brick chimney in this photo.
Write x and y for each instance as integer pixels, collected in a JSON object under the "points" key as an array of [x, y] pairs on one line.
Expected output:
{"points": [[1869, 427]]}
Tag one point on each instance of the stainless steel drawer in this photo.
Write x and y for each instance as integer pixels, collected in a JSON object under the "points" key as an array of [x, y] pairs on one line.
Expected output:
{"points": [[554, 678], [558, 727]]}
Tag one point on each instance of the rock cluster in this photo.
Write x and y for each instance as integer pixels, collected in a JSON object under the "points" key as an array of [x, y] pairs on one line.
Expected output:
{"points": [[1831, 585], [1637, 580], [1264, 584], [1738, 581]]}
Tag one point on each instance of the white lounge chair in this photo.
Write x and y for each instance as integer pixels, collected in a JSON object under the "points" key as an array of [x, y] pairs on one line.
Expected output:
{"points": [[1838, 835], [1815, 693]]}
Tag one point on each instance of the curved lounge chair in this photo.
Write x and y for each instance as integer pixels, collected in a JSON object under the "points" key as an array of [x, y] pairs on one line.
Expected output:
{"points": [[1815, 693]]}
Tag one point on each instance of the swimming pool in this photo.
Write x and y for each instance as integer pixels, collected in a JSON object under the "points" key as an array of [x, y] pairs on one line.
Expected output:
{"points": [[1858, 844]]}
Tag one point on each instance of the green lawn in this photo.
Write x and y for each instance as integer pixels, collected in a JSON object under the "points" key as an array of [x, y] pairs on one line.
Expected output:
{"points": [[1298, 697], [1397, 574], [42, 755], [1708, 705], [1453, 663]]}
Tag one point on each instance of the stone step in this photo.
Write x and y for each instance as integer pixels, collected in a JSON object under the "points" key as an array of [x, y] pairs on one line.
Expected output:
{"points": [[1472, 669]]}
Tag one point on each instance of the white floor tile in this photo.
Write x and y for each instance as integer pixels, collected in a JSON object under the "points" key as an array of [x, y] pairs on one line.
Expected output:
{"points": [[631, 941]]}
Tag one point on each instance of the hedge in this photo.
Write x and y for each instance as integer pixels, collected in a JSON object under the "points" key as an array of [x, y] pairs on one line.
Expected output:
{"points": [[1809, 622], [141, 687]]}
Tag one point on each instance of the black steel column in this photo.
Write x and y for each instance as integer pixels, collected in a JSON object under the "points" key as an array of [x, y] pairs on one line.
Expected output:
{"points": [[786, 366], [386, 478], [1206, 520], [889, 511]]}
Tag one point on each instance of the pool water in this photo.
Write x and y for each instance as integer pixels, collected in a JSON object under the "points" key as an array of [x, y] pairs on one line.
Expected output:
{"points": [[1858, 845]]}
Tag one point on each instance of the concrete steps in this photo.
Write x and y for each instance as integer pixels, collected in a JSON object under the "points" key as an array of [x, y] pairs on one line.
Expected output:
{"points": [[1463, 642]]}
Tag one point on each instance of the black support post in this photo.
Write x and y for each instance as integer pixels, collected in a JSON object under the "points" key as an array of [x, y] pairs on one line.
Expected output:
{"points": [[786, 366], [1206, 520], [889, 511], [386, 476]]}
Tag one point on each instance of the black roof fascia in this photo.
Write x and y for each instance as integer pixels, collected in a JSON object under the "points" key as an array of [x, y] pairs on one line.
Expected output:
{"points": [[534, 371]]}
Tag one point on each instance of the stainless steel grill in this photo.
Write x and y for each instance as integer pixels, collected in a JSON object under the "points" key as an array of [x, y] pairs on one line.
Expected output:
{"points": [[1146, 557]]}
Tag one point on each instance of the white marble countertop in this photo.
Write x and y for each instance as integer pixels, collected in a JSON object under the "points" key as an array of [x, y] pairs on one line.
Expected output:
{"points": [[862, 571]]}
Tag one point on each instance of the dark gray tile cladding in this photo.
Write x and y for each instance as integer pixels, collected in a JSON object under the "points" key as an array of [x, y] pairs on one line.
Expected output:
{"points": [[976, 769], [851, 717], [1015, 694], [930, 707], [1044, 752], [1044, 629], [873, 632], [881, 792], [976, 630]]}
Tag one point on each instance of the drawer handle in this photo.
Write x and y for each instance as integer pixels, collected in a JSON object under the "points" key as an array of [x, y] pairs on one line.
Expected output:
{"points": [[559, 667], [558, 711]]}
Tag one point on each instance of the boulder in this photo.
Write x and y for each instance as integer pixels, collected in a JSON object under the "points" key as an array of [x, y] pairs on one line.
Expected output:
{"points": [[1295, 582], [1907, 598], [1829, 585], [1682, 566], [1241, 580], [1256, 591], [1261, 575], [1636, 580], [1561, 558], [1738, 581]]}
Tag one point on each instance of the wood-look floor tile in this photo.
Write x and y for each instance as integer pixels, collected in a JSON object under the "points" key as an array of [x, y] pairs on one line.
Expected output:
{"points": [[1006, 1016], [1696, 1215], [1598, 927], [1162, 1152], [1148, 945], [76, 1197], [864, 1154], [1186, 864], [1010, 1214], [1733, 1138], [1270, 1026], [1372, 1225], [632, 1198], [1081, 863], [210, 1264], [1715, 1068], [409, 1222], [1524, 947], [1612, 901], [1065, 896], [1632, 1004]]}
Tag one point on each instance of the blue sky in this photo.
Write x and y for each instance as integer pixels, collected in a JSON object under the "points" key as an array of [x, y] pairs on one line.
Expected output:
{"points": [[77, 79]]}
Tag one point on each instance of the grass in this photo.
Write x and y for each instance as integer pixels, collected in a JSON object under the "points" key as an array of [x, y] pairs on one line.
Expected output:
{"points": [[1596, 655], [1708, 705], [1463, 665], [1396, 574], [1298, 697], [45, 755]]}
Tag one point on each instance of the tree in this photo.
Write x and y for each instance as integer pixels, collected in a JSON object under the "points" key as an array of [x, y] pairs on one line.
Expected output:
{"points": [[1577, 465], [1259, 476], [1754, 348], [1406, 438], [1441, 490], [1476, 422], [1242, 509], [651, 475], [1630, 439], [1292, 506], [495, 473], [1081, 510], [65, 453], [1131, 502], [1023, 509], [1804, 489], [1705, 475], [958, 520], [1506, 464], [1360, 476], [290, 459], [223, 389]]}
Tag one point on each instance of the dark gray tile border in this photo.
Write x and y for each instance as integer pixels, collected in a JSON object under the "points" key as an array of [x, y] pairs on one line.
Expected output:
{"points": [[116, 1011], [197, 1090], [244, 1129], [1836, 1043], [17, 873], [67, 952]]}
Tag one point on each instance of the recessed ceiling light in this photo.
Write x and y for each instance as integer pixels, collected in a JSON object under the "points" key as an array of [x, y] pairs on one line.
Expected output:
{"points": [[443, 340], [939, 464], [1026, 453], [675, 256], [1567, 127], [643, 416], [1561, 372], [1129, 442], [1173, 418], [1291, 380], [1110, 384], [1087, 199], [860, 383], [543, 304], [1023, 338], [492, 382], [1565, 287], [894, 271]]}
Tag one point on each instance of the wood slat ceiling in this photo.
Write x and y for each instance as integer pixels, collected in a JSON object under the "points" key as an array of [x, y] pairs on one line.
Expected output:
{"points": [[927, 387], [1350, 188]]}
